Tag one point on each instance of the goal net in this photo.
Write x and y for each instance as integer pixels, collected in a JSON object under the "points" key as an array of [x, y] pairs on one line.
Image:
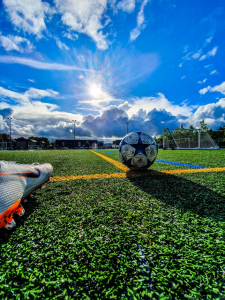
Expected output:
{"points": [[3, 145], [188, 139]]}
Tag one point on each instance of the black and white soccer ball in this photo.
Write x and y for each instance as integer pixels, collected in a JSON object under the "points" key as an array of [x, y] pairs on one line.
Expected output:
{"points": [[138, 150]]}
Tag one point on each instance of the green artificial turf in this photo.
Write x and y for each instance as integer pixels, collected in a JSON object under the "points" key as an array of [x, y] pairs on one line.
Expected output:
{"points": [[204, 158], [64, 162], [80, 239]]}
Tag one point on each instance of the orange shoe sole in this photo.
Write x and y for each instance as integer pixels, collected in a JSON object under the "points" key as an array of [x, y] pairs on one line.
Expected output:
{"points": [[7, 216]]}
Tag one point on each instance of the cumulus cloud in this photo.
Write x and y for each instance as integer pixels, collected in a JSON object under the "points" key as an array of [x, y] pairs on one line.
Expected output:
{"points": [[39, 65], [148, 114], [28, 15], [16, 43], [213, 114], [33, 116], [140, 20], [61, 45], [84, 17], [218, 88], [159, 102], [111, 121]]}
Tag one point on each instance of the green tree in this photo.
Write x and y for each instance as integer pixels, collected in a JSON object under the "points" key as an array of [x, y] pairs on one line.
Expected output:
{"points": [[87, 144], [203, 125]]}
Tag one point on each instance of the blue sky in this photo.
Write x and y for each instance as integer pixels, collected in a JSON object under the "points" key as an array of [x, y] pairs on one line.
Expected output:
{"points": [[153, 63]]}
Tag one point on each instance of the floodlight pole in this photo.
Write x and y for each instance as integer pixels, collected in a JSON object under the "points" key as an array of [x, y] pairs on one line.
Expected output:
{"points": [[127, 126], [10, 130], [74, 131]]}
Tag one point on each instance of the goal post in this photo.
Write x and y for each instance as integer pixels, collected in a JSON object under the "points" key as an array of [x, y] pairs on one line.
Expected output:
{"points": [[188, 139], [3, 145]]}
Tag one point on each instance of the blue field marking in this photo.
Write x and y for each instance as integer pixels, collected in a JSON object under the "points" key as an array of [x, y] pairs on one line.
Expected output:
{"points": [[168, 162]]}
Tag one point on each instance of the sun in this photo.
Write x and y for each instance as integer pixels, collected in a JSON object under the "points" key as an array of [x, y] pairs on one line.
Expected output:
{"points": [[95, 91]]}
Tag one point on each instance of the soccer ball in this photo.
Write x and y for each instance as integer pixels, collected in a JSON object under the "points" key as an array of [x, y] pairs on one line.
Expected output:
{"points": [[138, 150]]}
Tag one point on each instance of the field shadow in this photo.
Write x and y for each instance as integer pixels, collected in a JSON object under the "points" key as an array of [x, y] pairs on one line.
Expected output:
{"points": [[181, 193]]}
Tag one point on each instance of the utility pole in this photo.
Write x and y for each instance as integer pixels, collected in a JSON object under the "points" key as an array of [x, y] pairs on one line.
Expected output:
{"points": [[10, 131], [127, 126], [74, 131]]}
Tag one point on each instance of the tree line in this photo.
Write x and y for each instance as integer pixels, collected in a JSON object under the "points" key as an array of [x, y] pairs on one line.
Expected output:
{"points": [[218, 135]]}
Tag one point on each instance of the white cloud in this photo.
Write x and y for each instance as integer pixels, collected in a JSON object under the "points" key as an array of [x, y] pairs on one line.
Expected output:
{"points": [[202, 57], [140, 20], [209, 53], [28, 15], [33, 116], [203, 81], [183, 77], [213, 72], [209, 40], [196, 55], [180, 65], [204, 90], [126, 5], [71, 36], [159, 102], [31, 80], [212, 52], [38, 64], [16, 43], [25, 97], [213, 114], [60, 44], [84, 17], [149, 114], [218, 88]]}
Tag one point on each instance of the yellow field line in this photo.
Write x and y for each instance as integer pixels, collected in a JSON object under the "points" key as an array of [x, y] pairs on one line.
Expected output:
{"points": [[134, 174], [112, 161]]}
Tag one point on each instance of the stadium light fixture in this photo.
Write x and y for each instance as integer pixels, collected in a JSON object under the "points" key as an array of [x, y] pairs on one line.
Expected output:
{"points": [[74, 122], [127, 126]]}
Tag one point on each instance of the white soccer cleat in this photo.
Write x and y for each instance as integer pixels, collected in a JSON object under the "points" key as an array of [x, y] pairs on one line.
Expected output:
{"points": [[16, 183]]}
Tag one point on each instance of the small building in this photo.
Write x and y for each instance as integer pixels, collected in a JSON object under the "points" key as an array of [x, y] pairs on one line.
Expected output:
{"points": [[22, 143], [78, 143], [116, 142]]}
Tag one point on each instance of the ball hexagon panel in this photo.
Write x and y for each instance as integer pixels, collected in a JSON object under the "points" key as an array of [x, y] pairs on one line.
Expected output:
{"points": [[127, 151], [139, 160], [151, 152], [146, 139], [138, 150], [131, 138]]}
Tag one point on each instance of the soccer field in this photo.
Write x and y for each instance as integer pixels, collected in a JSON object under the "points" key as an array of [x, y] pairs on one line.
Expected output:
{"points": [[98, 231]]}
